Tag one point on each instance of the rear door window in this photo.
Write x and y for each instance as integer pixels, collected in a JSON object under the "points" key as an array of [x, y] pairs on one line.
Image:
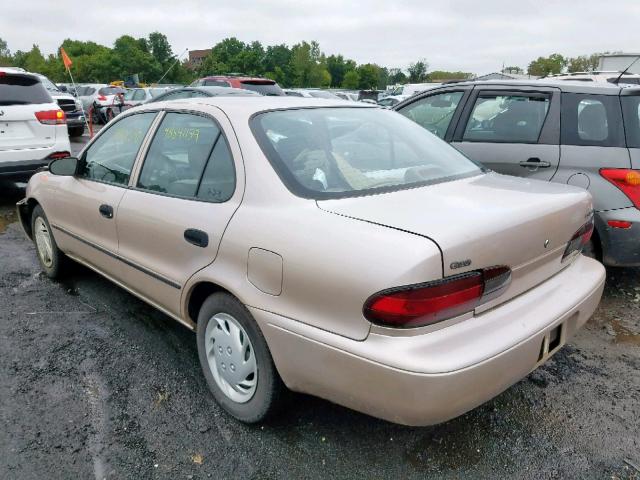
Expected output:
{"points": [[591, 120], [435, 112], [22, 90], [110, 158], [215, 83], [189, 158], [507, 118]]}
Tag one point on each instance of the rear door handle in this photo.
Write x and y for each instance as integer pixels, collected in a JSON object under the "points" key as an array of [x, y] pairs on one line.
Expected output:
{"points": [[196, 237], [106, 211], [535, 162]]}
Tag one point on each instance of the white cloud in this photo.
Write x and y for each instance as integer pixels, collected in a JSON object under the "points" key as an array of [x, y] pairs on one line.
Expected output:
{"points": [[466, 35]]}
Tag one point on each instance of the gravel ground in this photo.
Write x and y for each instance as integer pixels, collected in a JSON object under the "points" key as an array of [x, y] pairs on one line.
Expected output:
{"points": [[95, 383]]}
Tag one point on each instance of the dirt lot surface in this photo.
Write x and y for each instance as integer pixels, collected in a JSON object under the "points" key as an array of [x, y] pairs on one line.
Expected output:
{"points": [[95, 383]]}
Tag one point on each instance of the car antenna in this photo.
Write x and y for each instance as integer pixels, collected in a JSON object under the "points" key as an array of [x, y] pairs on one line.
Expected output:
{"points": [[625, 70]]}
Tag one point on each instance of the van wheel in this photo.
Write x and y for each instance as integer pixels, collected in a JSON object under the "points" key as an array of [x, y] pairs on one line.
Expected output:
{"points": [[236, 360], [52, 260]]}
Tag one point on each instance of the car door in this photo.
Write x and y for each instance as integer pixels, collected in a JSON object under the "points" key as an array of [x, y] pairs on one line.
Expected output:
{"points": [[515, 131], [84, 208], [171, 220], [437, 111]]}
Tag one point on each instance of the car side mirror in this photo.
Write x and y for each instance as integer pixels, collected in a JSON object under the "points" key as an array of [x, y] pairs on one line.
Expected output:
{"points": [[67, 166]]}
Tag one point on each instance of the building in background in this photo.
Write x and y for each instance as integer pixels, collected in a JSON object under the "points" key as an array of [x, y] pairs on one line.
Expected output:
{"points": [[617, 62], [196, 57]]}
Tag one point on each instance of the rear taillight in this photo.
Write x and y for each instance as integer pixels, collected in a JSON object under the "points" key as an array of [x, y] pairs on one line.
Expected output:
{"points": [[102, 98], [626, 180], [51, 117], [57, 155], [428, 303], [579, 239]]}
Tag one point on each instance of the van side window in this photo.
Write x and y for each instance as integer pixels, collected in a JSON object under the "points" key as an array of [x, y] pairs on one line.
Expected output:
{"points": [[591, 120], [110, 158], [189, 158], [435, 112], [507, 118]]}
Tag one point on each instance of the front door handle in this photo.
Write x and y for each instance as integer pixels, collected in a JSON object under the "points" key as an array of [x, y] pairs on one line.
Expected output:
{"points": [[535, 162], [196, 237], [106, 211]]}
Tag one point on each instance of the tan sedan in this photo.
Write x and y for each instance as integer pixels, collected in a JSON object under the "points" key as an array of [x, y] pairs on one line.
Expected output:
{"points": [[335, 248]]}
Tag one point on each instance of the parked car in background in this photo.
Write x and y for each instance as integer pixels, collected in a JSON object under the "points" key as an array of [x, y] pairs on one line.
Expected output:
{"points": [[311, 93], [351, 96], [338, 249], [137, 96], [577, 133], [71, 106], [391, 100], [409, 89], [597, 76], [33, 128], [263, 86], [199, 92], [104, 100]]}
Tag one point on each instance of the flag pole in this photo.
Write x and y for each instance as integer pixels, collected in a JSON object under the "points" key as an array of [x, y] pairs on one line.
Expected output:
{"points": [[75, 89]]}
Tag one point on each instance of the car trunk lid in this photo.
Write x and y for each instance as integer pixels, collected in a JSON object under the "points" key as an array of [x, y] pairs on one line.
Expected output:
{"points": [[483, 221], [20, 129]]}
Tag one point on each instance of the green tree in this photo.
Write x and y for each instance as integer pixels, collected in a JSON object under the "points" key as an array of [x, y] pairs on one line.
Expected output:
{"points": [[161, 48], [443, 75], [132, 57], [5, 54], [583, 63], [418, 71], [544, 66], [351, 80], [516, 70], [338, 66], [396, 76], [368, 74], [308, 66]]}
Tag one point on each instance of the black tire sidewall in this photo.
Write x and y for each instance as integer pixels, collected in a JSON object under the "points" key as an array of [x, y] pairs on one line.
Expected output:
{"points": [[267, 393], [57, 256]]}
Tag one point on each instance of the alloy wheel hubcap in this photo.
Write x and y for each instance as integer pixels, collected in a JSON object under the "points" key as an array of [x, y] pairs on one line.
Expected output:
{"points": [[43, 242], [231, 357]]}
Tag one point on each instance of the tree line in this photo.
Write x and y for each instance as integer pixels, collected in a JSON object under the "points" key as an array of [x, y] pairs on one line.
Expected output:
{"points": [[300, 65]]}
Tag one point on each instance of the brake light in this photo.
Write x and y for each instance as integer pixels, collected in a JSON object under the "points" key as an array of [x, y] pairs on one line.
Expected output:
{"points": [[626, 180], [619, 224], [56, 155], [428, 303], [579, 239], [102, 98], [51, 117]]}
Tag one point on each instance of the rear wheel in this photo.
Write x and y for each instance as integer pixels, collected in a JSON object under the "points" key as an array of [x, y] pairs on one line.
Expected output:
{"points": [[236, 360], [52, 260], [76, 131]]}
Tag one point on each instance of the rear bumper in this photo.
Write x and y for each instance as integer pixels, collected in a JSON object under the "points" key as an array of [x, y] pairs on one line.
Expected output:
{"points": [[21, 170], [620, 246], [75, 119], [424, 379]]}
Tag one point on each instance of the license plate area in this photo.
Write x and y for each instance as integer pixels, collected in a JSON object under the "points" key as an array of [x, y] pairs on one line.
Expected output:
{"points": [[552, 341]]}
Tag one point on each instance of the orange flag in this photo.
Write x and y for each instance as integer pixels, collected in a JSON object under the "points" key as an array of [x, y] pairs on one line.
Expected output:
{"points": [[65, 59]]}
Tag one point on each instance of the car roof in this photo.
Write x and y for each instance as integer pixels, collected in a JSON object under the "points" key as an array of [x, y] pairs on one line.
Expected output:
{"points": [[563, 85], [245, 106], [237, 77]]}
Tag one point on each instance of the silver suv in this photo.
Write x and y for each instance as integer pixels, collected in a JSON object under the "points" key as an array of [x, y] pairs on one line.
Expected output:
{"points": [[565, 132]]}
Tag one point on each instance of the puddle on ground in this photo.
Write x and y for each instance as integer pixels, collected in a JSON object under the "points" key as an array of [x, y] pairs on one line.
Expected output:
{"points": [[623, 334], [6, 219]]}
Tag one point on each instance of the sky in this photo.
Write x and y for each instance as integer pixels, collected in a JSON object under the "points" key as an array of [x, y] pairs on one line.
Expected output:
{"points": [[461, 35]]}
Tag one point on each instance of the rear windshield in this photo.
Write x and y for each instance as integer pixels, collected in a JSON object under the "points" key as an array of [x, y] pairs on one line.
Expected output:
{"points": [[16, 89], [337, 152], [215, 83], [111, 90], [157, 91], [85, 91], [263, 88]]}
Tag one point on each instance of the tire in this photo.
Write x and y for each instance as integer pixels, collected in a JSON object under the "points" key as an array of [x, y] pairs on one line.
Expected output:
{"points": [[223, 325], [76, 131], [109, 115], [51, 258]]}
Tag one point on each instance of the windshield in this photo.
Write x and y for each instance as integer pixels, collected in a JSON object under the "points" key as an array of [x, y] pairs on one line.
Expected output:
{"points": [[337, 152], [21, 89], [263, 88]]}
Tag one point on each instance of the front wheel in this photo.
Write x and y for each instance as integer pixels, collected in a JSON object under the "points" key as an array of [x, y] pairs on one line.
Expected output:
{"points": [[52, 260], [236, 360]]}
